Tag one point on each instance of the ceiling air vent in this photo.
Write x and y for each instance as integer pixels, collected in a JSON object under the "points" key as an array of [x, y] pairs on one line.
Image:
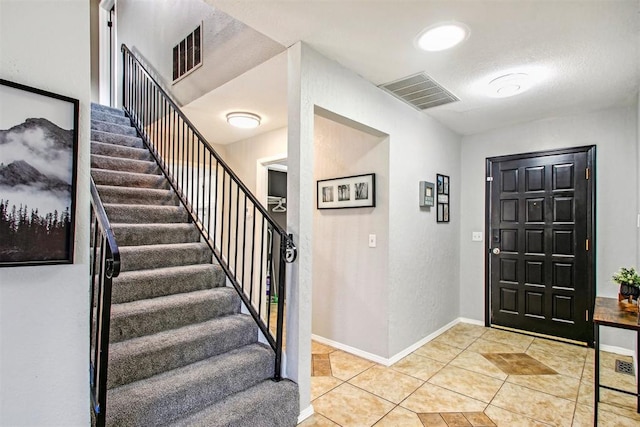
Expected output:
{"points": [[420, 91]]}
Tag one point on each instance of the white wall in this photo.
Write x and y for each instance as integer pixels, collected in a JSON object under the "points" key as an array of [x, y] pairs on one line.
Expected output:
{"points": [[44, 311], [350, 279], [613, 131], [419, 148], [151, 29], [242, 156]]}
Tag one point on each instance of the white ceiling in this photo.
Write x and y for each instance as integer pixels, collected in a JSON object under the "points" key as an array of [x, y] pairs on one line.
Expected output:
{"points": [[585, 53]]}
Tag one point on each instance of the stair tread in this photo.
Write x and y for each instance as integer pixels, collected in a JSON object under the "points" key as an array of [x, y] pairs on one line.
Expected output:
{"points": [[158, 191], [174, 394], [101, 133], [168, 301], [177, 336], [262, 405], [119, 173], [121, 159], [161, 246], [166, 270]]}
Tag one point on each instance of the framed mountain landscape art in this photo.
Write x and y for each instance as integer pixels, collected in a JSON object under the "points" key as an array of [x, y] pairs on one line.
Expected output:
{"points": [[38, 167]]}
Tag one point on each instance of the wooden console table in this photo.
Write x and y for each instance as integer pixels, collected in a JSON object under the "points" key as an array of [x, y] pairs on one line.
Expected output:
{"points": [[610, 312]]}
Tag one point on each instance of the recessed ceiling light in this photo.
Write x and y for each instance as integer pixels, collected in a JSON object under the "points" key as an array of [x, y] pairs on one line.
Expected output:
{"points": [[509, 85], [442, 36], [243, 120]]}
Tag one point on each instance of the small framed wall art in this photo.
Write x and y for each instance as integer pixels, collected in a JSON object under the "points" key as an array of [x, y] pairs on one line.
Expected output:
{"points": [[38, 163], [357, 191], [442, 198]]}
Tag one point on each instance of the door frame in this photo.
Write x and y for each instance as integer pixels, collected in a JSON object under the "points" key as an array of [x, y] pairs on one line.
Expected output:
{"points": [[590, 150]]}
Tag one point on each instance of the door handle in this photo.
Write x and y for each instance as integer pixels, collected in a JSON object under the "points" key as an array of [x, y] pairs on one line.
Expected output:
{"points": [[496, 251]]}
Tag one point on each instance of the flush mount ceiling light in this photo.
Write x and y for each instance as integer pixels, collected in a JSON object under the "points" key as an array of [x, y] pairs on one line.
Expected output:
{"points": [[509, 85], [243, 120], [442, 36]]}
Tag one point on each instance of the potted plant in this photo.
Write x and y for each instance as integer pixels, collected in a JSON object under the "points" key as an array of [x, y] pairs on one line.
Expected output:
{"points": [[629, 281]]}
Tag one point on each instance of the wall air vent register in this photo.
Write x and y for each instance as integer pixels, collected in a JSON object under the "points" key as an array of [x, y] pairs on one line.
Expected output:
{"points": [[187, 55]]}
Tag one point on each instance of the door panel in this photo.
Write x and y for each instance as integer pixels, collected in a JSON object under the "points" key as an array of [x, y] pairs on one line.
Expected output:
{"points": [[540, 217]]}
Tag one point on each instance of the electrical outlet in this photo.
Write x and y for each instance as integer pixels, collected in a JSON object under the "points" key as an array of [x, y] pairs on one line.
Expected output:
{"points": [[476, 236], [372, 240]]}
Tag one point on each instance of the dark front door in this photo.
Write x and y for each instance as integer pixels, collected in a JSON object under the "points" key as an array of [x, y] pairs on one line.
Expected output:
{"points": [[540, 242]]}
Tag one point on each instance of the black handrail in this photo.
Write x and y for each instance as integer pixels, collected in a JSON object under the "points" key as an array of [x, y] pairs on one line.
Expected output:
{"points": [[230, 218], [105, 265]]}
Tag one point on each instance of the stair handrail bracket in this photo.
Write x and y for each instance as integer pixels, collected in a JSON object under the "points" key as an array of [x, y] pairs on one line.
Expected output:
{"points": [[105, 266], [250, 246]]}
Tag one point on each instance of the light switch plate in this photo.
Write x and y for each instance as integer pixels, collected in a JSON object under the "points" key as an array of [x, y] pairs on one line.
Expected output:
{"points": [[476, 236], [372, 240]]}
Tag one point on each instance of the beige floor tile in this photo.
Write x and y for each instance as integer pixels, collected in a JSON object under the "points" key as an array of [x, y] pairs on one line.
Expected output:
{"points": [[469, 329], [557, 385], [321, 385], [504, 418], [456, 339], [320, 365], [562, 364], [431, 398], [400, 417], [586, 396], [455, 419], [349, 406], [438, 351], [626, 412], [317, 420], [319, 348], [346, 366], [479, 419], [518, 364], [472, 384], [386, 383], [559, 348], [483, 346], [417, 366], [432, 420], [534, 404], [513, 339], [583, 417], [476, 362]]}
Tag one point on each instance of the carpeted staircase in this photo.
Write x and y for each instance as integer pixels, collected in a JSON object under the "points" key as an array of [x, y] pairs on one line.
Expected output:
{"points": [[181, 353]]}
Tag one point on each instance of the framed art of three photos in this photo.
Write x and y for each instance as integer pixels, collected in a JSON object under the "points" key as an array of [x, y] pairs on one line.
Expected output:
{"points": [[442, 200], [357, 191], [38, 170]]}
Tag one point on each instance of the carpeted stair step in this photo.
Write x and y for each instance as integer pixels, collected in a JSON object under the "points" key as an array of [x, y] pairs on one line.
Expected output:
{"points": [[99, 108], [129, 179], [150, 316], [107, 117], [142, 284], [133, 214], [159, 256], [143, 357], [167, 397], [267, 404], [123, 151], [113, 128], [154, 234], [112, 138], [125, 165], [142, 196]]}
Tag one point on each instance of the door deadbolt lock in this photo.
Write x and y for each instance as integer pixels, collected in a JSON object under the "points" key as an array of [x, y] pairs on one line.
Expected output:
{"points": [[496, 251]]}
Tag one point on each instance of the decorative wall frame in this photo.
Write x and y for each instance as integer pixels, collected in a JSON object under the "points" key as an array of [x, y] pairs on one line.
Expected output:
{"points": [[358, 191], [442, 181], [38, 173]]}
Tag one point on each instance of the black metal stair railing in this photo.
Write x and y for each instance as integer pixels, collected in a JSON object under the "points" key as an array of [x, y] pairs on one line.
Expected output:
{"points": [[239, 230], [105, 265]]}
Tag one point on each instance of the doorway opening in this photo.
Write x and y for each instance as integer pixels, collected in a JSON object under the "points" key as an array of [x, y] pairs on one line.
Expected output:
{"points": [[540, 258]]}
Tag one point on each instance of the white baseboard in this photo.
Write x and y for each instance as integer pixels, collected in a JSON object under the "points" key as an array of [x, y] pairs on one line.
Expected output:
{"points": [[306, 413], [402, 354], [617, 350], [355, 351], [471, 321]]}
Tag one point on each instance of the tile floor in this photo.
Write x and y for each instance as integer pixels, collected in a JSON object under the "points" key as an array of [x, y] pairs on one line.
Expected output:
{"points": [[470, 376]]}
